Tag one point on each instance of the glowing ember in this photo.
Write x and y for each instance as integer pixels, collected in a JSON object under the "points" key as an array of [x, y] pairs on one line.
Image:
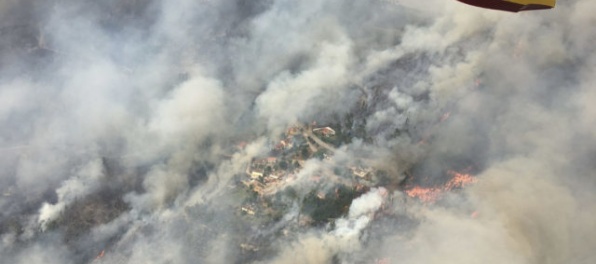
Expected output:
{"points": [[432, 194], [477, 82], [445, 116], [382, 261], [100, 255], [474, 214]]}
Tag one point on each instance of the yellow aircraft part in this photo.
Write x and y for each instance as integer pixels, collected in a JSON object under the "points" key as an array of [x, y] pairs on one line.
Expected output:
{"points": [[550, 3]]}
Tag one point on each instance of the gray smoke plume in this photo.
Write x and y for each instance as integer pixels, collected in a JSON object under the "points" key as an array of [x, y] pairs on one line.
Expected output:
{"points": [[127, 129]]}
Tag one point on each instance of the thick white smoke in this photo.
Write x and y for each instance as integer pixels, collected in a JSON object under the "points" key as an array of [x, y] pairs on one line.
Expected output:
{"points": [[85, 182], [126, 128]]}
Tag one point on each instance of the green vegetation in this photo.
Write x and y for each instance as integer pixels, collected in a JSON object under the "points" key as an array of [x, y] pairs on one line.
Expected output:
{"points": [[79, 217], [335, 204]]}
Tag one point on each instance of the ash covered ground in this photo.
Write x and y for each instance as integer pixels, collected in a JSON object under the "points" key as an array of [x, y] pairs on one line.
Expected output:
{"points": [[279, 131]]}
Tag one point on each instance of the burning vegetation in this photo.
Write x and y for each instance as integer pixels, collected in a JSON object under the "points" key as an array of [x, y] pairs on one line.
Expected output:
{"points": [[432, 194], [283, 131]]}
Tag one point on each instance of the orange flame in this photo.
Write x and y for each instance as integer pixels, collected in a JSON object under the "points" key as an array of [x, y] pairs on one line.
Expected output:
{"points": [[424, 194], [459, 180], [432, 194]]}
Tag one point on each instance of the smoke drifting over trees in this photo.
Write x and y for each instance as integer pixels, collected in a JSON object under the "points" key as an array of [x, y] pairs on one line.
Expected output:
{"points": [[127, 127]]}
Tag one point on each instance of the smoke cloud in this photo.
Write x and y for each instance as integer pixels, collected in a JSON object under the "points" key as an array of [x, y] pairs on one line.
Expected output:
{"points": [[129, 131]]}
